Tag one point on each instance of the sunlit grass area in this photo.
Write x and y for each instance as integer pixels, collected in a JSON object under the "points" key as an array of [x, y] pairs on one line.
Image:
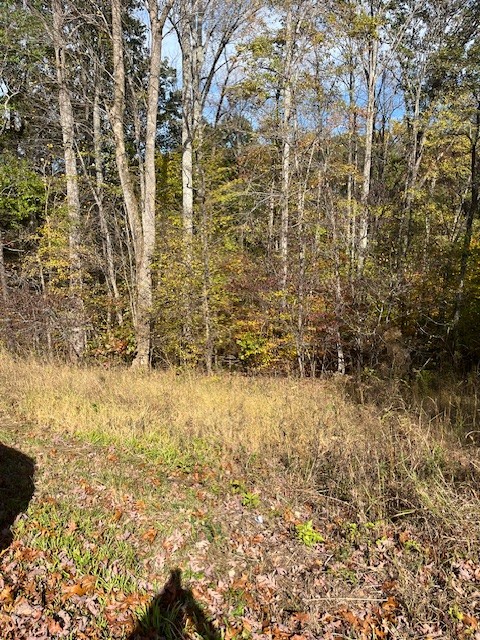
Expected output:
{"points": [[138, 472], [382, 460]]}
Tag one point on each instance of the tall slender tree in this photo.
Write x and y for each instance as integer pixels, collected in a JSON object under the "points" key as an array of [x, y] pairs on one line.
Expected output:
{"points": [[67, 123], [140, 209]]}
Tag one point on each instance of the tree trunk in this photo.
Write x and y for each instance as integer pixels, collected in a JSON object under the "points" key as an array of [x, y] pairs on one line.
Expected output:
{"points": [[189, 75], [77, 328], [303, 181], [104, 230], [144, 272], [116, 114], [472, 210], [286, 147], [364, 222], [190, 41], [141, 216], [206, 277], [339, 303], [302, 250], [3, 276], [272, 196], [352, 168], [413, 166]]}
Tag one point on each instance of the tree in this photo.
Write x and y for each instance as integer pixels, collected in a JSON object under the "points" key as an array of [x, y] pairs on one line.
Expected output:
{"points": [[140, 210], [205, 30], [67, 123]]}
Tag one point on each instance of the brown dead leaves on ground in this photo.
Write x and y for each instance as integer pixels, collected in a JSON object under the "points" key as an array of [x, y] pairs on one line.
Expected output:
{"points": [[240, 546]]}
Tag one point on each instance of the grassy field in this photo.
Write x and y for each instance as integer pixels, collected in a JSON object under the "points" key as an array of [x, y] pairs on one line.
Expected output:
{"points": [[184, 506]]}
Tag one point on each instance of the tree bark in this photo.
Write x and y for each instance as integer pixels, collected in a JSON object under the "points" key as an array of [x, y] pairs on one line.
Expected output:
{"points": [[206, 275], [472, 210], [190, 76], [286, 147], [77, 325], [364, 222], [3, 276], [99, 180], [352, 168], [116, 113], [141, 215], [144, 274], [413, 166]]}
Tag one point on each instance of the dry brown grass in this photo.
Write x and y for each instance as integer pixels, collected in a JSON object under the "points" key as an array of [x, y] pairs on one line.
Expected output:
{"points": [[381, 462], [238, 413]]}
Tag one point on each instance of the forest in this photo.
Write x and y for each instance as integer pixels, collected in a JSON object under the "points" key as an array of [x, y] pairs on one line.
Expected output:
{"points": [[275, 187]]}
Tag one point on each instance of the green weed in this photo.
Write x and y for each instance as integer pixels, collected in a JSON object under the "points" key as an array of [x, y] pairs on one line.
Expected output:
{"points": [[250, 500], [307, 534]]}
